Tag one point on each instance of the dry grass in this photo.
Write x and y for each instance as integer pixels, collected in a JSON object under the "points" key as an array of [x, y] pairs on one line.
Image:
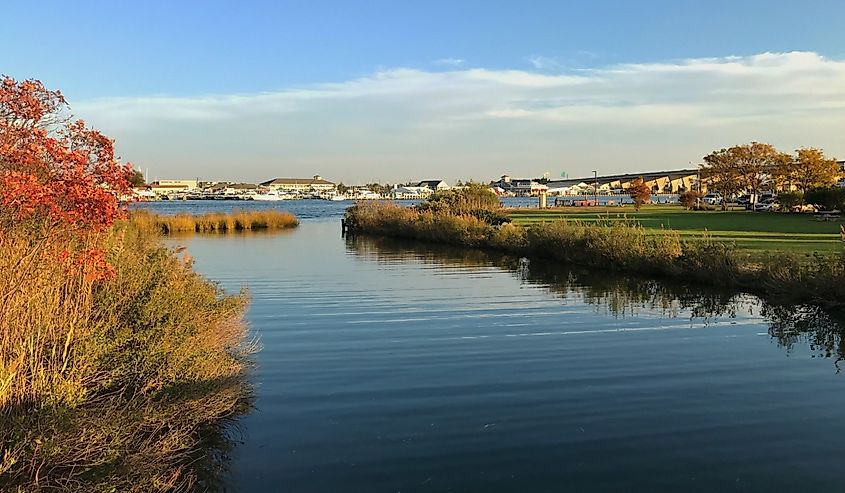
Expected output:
{"points": [[113, 385], [624, 246], [215, 222]]}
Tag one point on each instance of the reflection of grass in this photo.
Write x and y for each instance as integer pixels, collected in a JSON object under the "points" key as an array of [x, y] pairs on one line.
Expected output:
{"points": [[214, 222], [823, 331], [115, 384], [753, 231], [772, 263]]}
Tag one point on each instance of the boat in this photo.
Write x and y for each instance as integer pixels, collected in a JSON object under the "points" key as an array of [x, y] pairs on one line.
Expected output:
{"points": [[271, 196]]}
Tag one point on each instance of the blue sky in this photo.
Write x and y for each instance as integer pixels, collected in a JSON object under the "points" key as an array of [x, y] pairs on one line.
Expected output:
{"points": [[400, 90]]}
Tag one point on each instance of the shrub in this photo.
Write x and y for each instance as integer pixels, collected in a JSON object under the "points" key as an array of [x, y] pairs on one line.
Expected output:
{"points": [[828, 198], [116, 359], [510, 238], [690, 199], [125, 375], [619, 245], [491, 217], [788, 200], [462, 201], [708, 260]]}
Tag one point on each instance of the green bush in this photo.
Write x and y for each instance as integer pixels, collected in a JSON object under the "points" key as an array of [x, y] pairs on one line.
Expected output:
{"points": [[788, 200], [828, 198], [491, 217], [461, 201]]}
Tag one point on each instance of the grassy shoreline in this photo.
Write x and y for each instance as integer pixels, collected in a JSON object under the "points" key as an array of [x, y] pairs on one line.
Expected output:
{"points": [[214, 222], [625, 246], [124, 382]]}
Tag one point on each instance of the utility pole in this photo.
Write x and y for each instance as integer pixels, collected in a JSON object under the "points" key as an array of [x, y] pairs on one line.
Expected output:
{"points": [[595, 188]]}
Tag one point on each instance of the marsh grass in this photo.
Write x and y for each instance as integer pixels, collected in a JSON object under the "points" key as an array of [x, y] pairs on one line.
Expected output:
{"points": [[215, 222], [622, 245], [114, 384]]}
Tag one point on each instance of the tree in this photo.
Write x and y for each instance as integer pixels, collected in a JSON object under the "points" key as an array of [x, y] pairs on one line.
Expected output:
{"points": [[720, 174], [136, 179], [58, 179], [690, 198], [639, 192], [743, 167], [811, 169], [378, 188], [341, 188]]}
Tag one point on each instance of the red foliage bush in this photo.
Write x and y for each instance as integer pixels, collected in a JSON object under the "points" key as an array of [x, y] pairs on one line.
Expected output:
{"points": [[54, 170]]}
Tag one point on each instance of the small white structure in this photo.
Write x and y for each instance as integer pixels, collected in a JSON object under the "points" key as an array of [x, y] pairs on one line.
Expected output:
{"points": [[411, 193], [433, 185]]}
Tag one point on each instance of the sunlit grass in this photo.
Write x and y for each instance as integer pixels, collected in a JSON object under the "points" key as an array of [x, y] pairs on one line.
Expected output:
{"points": [[112, 384], [754, 231], [215, 222]]}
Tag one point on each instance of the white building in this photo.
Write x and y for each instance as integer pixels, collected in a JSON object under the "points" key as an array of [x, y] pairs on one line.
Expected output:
{"points": [[411, 193], [519, 188], [301, 185], [433, 185]]}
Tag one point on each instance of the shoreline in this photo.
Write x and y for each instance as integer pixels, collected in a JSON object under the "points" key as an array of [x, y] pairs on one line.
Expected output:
{"points": [[783, 277]]}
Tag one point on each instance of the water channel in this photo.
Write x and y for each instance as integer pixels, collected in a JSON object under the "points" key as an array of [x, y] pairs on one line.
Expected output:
{"points": [[388, 366]]}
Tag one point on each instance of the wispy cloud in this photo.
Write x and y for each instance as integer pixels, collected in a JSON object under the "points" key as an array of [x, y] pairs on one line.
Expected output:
{"points": [[450, 62], [540, 62], [398, 123]]}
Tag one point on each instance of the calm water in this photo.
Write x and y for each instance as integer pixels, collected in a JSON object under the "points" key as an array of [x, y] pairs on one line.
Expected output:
{"points": [[388, 367], [304, 209]]}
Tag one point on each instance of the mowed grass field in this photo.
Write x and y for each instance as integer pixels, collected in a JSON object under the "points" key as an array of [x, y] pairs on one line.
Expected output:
{"points": [[756, 232]]}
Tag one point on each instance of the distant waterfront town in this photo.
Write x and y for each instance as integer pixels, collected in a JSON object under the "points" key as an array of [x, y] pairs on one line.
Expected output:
{"points": [[667, 183]]}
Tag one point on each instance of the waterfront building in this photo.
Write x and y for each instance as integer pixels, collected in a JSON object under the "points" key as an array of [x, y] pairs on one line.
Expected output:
{"points": [[176, 184], [519, 187], [171, 187], [433, 185], [301, 185], [410, 193]]}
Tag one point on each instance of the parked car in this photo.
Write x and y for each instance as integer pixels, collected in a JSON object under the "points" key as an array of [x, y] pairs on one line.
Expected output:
{"points": [[805, 208], [743, 199], [712, 199], [769, 204]]}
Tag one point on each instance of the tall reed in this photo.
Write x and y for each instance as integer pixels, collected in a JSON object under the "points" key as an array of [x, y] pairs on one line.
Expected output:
{"points": [[214, 222], [114, 384]]}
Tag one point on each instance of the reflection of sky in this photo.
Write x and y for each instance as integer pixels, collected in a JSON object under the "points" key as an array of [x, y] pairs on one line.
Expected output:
{"points": [[386, 366]]}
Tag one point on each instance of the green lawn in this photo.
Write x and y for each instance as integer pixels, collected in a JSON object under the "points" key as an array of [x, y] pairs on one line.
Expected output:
{"points": [[756, 231]]}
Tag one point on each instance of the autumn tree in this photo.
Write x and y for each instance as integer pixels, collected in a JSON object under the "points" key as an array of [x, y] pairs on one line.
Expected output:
{"points": [[639, 192], [720, 174], [52, 168], [808, 169], [746, 167], [690, 198], [58, 178]]}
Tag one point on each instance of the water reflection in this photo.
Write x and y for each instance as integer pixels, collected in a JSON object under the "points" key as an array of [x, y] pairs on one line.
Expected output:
{"points": [[819, 331], [210, 462]]}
